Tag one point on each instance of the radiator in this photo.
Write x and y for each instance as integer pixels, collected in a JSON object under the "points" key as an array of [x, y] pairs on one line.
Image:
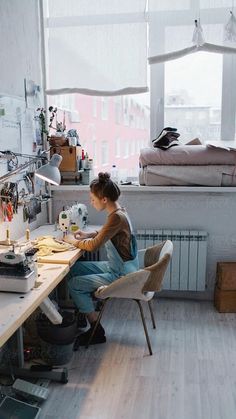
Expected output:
{"points": [[187, 269], [92, 256]]}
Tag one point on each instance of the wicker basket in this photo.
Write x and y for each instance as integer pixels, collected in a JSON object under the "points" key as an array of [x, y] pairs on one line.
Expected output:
{"points": [[57, 141]]}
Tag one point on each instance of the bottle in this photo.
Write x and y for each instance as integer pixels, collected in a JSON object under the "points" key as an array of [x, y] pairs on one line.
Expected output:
{"points": [[114, 173], [86, 161], [91, 171], [82, 161], [90, 164]]}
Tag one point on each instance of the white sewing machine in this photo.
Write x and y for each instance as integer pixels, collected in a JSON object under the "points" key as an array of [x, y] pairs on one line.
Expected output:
{"points": [[73, 218]]}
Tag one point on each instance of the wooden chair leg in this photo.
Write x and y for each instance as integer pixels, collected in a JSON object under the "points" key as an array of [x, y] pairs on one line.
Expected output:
{"points": [[97, 322], [152, 315], [144, 326]]}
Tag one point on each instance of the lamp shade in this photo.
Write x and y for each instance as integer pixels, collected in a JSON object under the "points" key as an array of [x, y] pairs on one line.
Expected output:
{"points": [[50, 172]]}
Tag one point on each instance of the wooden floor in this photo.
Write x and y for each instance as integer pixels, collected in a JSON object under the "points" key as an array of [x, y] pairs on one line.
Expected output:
{"points": [[191, 375]]}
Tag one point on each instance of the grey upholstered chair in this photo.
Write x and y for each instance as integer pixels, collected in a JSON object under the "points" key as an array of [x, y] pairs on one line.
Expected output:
{"points": [[140, 285]]}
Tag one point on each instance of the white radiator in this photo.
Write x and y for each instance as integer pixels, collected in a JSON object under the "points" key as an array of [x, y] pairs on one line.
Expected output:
{"points": [[187, 269], [92, 256]]}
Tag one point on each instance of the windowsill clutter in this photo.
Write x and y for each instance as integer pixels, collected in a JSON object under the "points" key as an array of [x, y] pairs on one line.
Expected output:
{"points": [[169, 163]]}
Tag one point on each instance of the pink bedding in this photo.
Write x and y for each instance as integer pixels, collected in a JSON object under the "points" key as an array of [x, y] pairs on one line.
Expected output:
{"points": [[187, 155]]}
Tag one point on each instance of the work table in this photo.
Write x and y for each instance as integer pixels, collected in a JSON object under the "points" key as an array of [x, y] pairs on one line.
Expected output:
{"points": [[15, 308]]}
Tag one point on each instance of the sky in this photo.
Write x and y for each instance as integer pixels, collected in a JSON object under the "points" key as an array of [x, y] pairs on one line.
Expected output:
{"points": [[199, 74]]}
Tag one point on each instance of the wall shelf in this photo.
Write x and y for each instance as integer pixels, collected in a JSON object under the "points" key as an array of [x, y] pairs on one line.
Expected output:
{"points": [[155, 189]]}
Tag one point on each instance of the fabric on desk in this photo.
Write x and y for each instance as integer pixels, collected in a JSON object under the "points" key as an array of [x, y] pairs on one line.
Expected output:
{"points": [[48, 245], [212, 175], [187, 155]]}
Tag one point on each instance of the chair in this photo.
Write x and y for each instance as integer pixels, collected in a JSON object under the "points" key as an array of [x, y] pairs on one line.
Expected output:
{"points": [[140, 285]]}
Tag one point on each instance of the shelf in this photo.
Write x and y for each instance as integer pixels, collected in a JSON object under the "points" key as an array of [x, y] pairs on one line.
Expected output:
{"points": [[156, 189]]}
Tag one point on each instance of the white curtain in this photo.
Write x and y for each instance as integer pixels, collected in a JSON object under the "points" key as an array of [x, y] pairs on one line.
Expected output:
{"points": [[95, 47], [172, 26]]}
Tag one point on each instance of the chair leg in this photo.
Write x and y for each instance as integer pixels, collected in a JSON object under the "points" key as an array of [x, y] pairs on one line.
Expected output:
{"points": [[152, 315], [97, 322], [144, 326]]}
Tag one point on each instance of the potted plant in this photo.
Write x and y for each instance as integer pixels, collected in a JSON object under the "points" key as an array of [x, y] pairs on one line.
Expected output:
{"points": [[73, 137], [59, 137], [42, 128]]}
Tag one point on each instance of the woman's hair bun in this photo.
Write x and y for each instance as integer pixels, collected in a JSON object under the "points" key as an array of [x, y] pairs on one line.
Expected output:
{"points": [[103, 177]]}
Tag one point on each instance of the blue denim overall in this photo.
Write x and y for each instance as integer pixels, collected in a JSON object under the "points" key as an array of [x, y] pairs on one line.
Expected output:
{"points": [[87, 277]]}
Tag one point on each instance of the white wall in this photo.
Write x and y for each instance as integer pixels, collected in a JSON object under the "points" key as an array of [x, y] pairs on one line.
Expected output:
{"points": [[20, 45], [20, 58], [212, 212]]}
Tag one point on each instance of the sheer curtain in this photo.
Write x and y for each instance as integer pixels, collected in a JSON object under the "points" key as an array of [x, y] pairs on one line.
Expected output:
{"points": [[172, 26], [95, 47]]}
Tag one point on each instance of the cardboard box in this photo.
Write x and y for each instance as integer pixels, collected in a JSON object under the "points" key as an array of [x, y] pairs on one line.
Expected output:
{"points": [[70, 156], [225, 300], [226, 276]]}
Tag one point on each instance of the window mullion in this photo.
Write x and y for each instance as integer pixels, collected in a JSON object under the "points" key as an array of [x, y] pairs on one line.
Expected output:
{"points": [[228, 105]]}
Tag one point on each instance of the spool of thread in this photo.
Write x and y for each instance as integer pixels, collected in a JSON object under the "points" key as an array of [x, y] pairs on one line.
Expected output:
{"points": [[27, 234]]}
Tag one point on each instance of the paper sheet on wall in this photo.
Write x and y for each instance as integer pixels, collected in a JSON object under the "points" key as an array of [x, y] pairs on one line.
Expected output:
{"points": [[10, 123]]}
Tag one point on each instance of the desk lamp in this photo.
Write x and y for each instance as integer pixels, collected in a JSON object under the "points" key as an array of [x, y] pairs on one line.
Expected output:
{"points": [[48, 171]]}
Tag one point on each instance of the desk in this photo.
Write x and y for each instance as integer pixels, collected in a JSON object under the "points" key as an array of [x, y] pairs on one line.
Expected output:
{"points": [[15, 308]]}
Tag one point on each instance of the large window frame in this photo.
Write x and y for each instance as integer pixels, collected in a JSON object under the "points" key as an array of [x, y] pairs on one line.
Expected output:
{"points": [[157, 71]]}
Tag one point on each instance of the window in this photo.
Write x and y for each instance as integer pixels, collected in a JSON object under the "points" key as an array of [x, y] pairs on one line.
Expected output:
{"points": [[126, 150], [117, 147], [105, 104], [94, 106], [106, 138], [190, 111], [193, 93], [65, 102], [104, 153]]}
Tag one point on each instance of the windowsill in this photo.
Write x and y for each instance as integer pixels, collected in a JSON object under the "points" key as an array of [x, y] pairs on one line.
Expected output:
{"points": [[157, 189]]}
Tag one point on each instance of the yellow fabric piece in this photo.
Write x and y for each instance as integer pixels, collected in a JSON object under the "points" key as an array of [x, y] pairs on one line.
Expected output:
{"points": [[47, 245]]}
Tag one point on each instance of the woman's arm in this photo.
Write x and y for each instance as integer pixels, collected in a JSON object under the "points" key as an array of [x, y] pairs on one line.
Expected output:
{"points": [[81, 235], [109, 230]]}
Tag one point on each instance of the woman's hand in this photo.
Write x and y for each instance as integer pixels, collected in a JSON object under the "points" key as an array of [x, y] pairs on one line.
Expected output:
{"points": [[69, 238], [81, 235]]}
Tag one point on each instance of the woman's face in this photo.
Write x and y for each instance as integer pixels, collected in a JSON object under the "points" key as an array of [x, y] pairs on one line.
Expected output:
{"points": [[98, 203]]}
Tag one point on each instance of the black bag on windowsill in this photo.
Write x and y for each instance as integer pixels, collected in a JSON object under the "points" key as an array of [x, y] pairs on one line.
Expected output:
{"points": [[167, 138]]}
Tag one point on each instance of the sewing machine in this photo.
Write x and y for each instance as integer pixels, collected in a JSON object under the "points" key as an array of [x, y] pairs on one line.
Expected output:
{"points": [[73, 218], [17, 272]]}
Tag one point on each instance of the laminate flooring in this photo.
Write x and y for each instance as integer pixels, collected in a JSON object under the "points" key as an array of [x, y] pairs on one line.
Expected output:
{"points": [[191, 374]]}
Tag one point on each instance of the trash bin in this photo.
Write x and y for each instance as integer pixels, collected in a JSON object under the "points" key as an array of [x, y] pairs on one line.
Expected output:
{"points": [[57, 339]]}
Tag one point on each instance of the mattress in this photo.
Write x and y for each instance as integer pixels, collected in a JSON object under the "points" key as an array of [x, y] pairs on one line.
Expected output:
{"points": [[212, 175]]}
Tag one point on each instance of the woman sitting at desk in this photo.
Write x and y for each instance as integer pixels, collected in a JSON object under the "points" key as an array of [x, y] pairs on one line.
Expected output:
{"points": [[121, 247]]}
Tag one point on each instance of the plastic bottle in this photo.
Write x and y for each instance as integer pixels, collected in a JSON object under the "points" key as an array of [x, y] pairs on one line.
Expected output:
{"points": [[114, 173], [82, 159], [86, 161]]}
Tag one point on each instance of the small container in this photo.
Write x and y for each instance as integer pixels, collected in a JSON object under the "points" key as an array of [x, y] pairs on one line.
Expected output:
{"points": [[90, 164], [72, 141], [86, 160], [114, 173]]}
